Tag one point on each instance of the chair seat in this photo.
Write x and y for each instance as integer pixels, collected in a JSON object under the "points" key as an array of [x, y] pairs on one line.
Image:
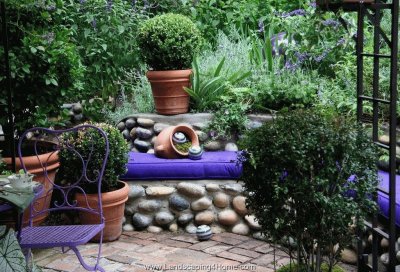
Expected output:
{"points": [[58, 236]]}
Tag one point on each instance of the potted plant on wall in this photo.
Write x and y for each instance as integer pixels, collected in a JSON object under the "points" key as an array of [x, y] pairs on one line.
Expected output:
{"points": [[314, 173], [114, 192], [168, 43]]}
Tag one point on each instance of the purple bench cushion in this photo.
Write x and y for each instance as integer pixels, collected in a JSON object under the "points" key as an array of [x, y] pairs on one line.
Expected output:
{"points": [[383, 198], [213, 165]]}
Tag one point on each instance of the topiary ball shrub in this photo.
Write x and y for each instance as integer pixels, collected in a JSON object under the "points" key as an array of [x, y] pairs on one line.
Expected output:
{"points": [[90, 139], [309, 174], [169, 41]]}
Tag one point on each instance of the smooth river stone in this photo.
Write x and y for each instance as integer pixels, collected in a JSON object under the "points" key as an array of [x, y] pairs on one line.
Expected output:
{"points": [[140, 221], [241, 229], [252, 222], [201, 204], [142, 146], [130, 123], [221, 200], [239, 204], [213, 146], [185, 218], [143, 122], [191, 189], [178, 203], [159, 191], [136, 191], [149, 206], [233, 188], [164, 218], [154, 229], [228, 217], [212, 187], [204, 218], [144, 133]]}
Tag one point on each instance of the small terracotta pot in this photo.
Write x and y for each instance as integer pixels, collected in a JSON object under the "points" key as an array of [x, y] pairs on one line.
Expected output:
{"points": [[167, 86], [34, 166], [164, 146], [113, 211]]}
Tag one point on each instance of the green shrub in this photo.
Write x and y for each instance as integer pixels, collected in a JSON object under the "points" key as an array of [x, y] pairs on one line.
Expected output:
{"points": [[169, 41], [296, 268], [46, 70], [90, 139], [297, 177]]}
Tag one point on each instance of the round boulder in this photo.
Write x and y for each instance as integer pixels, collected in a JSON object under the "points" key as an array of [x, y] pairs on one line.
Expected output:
{"points": [[191, 189], [228, 217], [178, 203], [164, 218], [221, 200], [140, 221], [239, 204], [241, 229], [201, 204], [204, 218]]}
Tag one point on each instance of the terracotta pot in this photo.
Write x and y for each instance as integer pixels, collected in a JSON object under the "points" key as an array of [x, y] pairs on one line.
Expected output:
{"points": [[164, 146], [168, 93], [113, 211], [34, 166]]}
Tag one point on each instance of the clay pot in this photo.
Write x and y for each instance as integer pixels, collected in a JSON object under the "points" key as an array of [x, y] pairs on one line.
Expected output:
{"points": [[168, 93], [34, 166], [164, 146], [113, 211]]}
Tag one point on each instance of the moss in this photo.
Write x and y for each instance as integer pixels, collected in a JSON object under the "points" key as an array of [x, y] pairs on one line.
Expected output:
{"points": [[184, 148], [294, 267]]}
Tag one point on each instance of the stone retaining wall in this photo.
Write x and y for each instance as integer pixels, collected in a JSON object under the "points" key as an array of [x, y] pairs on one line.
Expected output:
{"points": [[141, 129], [173, 205]]}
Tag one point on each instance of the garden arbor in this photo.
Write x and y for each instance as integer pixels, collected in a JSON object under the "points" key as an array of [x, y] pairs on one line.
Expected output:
{"points": [[373, 12]]}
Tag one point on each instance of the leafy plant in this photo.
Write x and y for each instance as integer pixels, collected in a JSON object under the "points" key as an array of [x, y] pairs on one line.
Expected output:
{"points": [[11, 256], [105, 34], [45, 67], [310, 175], [169, 41], [91, 141], [206, 93]]}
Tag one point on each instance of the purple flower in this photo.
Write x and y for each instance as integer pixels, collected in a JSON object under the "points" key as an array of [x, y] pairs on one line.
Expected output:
{"points": [[313, 4], [296, 12], [261, 26], [82, 2], [283, 176], [290, 66], [109, 5], [341, 41], [302, 57], [49, 37], [331, 23], [94, 23], [51, 8]]}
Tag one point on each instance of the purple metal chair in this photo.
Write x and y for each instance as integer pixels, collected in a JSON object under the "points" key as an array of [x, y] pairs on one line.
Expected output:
{"points": [[66, 236]]}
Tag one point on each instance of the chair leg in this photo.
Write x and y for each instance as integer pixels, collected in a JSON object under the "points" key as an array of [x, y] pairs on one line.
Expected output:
{"points": [[96, 267]]}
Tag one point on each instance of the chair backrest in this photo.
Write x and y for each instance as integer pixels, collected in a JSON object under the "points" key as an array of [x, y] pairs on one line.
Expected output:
{"points": [[81, 152]]}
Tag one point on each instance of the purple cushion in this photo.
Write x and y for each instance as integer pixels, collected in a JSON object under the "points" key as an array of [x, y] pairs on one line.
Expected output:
{"points": [[383, 198], [212, 165]]}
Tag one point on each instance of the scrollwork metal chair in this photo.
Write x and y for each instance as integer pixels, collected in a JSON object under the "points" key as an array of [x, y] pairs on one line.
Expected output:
{"points": [[66, 236]]}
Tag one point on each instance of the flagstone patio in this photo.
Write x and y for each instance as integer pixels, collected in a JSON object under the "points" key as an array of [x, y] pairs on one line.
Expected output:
{"points": [[166, 251]]}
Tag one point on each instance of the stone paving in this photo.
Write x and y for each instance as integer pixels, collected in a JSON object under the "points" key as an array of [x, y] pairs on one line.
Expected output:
{"points": [[166, 251]]}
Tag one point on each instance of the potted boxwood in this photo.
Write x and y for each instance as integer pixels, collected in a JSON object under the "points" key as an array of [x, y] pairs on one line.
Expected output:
{"points": [[114, 192], [168, 44], [310, 175]]}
